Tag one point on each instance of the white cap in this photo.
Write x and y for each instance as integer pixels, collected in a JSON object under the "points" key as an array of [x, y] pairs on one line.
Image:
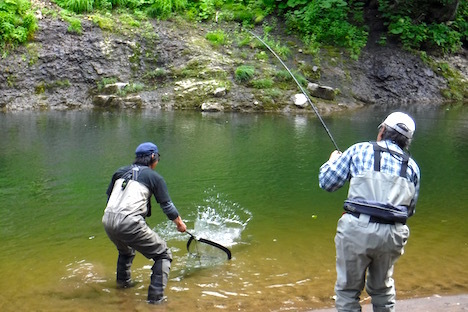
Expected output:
{"points": [[402, 123]]}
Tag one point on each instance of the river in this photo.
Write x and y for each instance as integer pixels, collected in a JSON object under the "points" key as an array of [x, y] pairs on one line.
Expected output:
{"points": [[248, 181]]}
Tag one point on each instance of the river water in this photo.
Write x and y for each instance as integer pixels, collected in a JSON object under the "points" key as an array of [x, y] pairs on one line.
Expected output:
{"points": [[248, 181]]}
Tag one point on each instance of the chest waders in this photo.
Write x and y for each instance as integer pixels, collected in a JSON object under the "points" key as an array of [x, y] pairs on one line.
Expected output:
{"points": [[130, 200], [384, 197]]}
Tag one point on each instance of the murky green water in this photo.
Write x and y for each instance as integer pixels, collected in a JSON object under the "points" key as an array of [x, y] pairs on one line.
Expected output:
{"points": [[256, 174]]}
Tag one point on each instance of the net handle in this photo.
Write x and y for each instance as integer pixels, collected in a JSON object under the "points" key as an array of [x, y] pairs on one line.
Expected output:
{"points": [[207, 241]]}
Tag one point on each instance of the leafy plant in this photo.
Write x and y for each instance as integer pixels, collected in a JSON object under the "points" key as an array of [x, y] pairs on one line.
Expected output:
{"points": [[104, 22], [106, 81], [74, 22], [244, 73], [335, 22], [406, 22], [17, 22], [156, 74], [216, 38], [206, 9], [75, 25], [163, 8], [77, 6], [128, 20], [264, 83], [281, 50], [261, 56], [131, 88], [160, 9], [283, 75]]}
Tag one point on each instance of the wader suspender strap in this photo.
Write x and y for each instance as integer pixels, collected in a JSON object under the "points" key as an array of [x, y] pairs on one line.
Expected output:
{"points": [[132, 174], [378, 149]]}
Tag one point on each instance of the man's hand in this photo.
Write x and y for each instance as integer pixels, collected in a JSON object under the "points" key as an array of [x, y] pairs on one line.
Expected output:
{"points": [[334, 156], [181, 227]]}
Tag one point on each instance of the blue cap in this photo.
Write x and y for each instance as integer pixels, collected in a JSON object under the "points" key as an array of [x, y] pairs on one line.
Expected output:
{"points": [[145, 149]]}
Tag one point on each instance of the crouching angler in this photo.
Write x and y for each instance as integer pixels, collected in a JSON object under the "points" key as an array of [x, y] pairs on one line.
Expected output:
{"points": [[129, 203]]}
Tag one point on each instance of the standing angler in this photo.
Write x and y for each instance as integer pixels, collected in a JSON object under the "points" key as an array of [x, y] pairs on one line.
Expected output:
{"points": [[129, 203], [372, 233]]}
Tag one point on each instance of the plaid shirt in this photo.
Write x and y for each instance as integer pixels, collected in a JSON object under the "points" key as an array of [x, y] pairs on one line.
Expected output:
{"points": [[359, 158]]}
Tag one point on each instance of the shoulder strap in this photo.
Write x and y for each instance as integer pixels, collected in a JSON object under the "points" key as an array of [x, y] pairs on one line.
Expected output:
{"points": [[378, 149], [404, 165], [131, 174]]}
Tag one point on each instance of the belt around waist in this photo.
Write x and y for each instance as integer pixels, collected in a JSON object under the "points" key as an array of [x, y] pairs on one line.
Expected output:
{"points": [[372, 218]]}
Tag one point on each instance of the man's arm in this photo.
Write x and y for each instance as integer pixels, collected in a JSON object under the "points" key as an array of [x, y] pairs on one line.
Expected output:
{"points": [[335, 172]]}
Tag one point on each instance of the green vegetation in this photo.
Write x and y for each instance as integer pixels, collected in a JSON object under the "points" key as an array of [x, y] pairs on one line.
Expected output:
{"points": [[156, 74], [407, 21], [73, 21], [281, 50], [264, 83], [106, 81], [323, 25], [58, 84], [318, 23], [152, 8], [17, 23], [132, 88], [334, 22], [284, 76], [104, 22], [457, 89], [244, 73], [216, 38], [77, 6]]}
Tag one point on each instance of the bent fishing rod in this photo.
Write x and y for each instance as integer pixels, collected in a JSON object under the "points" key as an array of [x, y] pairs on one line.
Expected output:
{"points": [[301, 88]]}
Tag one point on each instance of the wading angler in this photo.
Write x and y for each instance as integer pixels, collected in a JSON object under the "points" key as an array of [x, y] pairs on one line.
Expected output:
{"points": [[129, 203], [371, 234]]}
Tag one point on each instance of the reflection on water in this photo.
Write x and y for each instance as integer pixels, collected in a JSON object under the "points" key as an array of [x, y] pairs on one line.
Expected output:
{"points": [[248, 182]]}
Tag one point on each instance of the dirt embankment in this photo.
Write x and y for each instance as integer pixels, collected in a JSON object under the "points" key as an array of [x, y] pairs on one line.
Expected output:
{"points": [[173, 66]]}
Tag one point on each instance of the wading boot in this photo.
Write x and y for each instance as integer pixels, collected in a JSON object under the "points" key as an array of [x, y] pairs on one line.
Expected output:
{"points": [[124, 263], [159, 277]]}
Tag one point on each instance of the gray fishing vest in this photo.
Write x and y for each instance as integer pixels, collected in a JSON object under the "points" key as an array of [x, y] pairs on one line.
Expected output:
{"points": [[380, 194]]}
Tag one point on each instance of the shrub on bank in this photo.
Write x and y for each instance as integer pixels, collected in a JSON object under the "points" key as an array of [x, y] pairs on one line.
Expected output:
{"points": [[17, 23]]}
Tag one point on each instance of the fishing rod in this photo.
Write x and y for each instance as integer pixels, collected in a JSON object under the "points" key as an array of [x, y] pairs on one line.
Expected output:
{"points": [[302, 89]]}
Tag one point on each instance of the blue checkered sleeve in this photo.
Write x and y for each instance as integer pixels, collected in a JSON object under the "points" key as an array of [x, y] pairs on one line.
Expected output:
{"points": [[334, 175]]}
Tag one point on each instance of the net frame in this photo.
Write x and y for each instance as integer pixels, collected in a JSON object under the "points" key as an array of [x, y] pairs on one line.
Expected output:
{"points": [[208, 242]]}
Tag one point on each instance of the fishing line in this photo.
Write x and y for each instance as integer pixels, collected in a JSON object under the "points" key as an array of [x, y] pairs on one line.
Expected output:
{"points": [[302, 89]]}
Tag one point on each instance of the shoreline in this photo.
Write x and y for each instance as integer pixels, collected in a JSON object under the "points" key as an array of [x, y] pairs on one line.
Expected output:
{"points": [[449, 303]]}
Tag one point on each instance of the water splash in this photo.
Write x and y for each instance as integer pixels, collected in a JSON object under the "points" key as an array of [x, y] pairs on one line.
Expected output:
{"points": [[217, 218]]}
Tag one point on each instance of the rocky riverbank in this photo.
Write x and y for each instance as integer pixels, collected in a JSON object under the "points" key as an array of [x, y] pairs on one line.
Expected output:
{"points": [[171, 65]]}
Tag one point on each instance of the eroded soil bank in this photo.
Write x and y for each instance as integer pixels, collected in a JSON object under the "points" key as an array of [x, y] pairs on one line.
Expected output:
{"points": [[175, 67]]}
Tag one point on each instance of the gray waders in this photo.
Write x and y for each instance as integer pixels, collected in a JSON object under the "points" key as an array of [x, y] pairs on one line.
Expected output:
{"points": [[124, 263], [124, 222], [159, 277]]}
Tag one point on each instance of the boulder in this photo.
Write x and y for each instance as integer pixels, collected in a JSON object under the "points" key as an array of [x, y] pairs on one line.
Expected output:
{"points": [[323, 92], [114, 88], [211, 107], [113, 101], [300, 100]]}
